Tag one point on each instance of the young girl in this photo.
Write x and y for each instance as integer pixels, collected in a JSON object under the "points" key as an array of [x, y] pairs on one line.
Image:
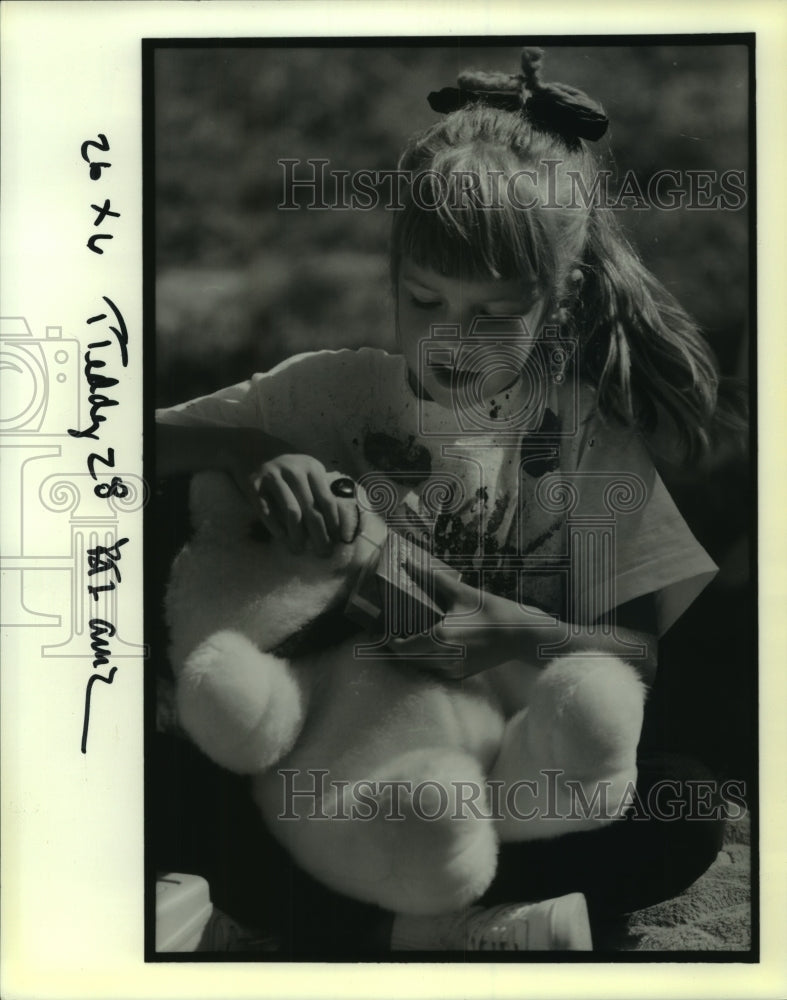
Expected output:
{"points": [[535, 350]]}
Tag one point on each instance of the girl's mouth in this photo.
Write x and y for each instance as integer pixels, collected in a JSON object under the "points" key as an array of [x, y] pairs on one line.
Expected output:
{"points": [[464, 378]]}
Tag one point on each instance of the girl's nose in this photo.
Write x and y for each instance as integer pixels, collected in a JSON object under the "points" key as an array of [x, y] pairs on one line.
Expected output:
{"points": [[462, 318]]}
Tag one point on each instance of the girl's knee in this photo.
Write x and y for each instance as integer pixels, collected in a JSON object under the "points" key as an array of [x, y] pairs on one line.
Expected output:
{"points": [[684, 800]]}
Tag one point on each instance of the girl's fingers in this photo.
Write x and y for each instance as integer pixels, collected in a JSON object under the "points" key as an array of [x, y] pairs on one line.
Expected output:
{"points": [[253, 488], [296, 502], [248, 488], [286, 508], [349, 520], [326, 504], [444, 584], [311, 521]]}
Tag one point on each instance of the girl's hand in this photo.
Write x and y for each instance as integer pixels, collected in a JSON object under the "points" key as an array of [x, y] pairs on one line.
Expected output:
{"points": [[493, 630], [487, 627], [297, 505], [290, 492]]}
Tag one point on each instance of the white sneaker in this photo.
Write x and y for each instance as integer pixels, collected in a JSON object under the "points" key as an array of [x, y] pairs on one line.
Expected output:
{"points": [[559, 924], [222, 933]]}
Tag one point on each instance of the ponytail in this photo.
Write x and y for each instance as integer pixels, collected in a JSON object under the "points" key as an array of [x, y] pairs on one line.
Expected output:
{"points": [[651, 365]]}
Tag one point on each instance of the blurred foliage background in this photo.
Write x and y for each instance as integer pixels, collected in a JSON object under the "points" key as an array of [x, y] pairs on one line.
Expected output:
{"points": [[242, 284]]}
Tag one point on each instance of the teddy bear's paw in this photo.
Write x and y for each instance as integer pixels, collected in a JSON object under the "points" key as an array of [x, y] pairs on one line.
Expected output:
{"points": [[568, 760], [585, 714], [241, 707]]}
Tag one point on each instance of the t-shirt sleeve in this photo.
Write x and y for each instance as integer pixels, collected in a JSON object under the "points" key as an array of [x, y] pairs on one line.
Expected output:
{"points": [[657, 554], [234, 406], [305, 401], [642, 544]]}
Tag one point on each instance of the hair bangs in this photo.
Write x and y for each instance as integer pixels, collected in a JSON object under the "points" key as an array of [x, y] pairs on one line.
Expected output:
{"points": [[471, 230]]}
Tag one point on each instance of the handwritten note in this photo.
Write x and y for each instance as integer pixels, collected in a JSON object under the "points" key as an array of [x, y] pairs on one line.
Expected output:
{"points": [[108, 344]]}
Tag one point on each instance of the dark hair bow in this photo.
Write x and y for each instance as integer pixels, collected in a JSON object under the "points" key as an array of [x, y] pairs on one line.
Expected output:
{"points": [[555, 107], [568, 110]]}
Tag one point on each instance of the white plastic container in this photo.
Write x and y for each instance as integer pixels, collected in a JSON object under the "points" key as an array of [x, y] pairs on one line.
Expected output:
{"points": [[183, 908]]}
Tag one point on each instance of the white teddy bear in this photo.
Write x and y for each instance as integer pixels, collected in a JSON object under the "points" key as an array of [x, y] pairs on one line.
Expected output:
{"points": [[384, 781]]}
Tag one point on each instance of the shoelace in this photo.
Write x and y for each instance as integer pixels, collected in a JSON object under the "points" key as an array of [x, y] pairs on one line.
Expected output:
{"points": [[222, 933], [493, 931]]}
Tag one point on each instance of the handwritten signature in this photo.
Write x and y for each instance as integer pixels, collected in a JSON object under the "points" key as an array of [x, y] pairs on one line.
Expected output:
{"points": [[101, 559], [98, 629]]}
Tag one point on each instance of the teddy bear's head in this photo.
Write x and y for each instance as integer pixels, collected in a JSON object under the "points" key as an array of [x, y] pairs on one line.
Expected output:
{"points": [[284, 601]]}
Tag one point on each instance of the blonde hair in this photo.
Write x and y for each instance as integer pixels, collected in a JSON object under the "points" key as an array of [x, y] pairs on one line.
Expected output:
{"points": [[650, 364]]}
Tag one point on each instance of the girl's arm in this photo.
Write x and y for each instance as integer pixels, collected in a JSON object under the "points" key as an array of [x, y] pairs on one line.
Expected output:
{"points": [[494, 630], [634, 627]]}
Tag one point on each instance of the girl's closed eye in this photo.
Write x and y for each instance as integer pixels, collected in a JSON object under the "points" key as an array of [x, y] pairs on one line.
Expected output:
{"points": [[424, 303], [504, 309]]}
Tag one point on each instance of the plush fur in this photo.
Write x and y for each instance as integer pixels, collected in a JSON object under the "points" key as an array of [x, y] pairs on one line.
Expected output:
{"points": [[326, 720]]}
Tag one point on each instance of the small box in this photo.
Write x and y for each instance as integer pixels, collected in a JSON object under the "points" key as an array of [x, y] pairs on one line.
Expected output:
{"points": [[386, 598]]}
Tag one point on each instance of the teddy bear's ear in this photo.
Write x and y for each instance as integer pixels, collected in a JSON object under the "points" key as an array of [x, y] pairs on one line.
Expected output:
{"points": [[217, 504]]}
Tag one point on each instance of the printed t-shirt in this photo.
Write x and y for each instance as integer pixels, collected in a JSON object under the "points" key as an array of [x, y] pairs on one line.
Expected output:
{"points": [[532, 494]]}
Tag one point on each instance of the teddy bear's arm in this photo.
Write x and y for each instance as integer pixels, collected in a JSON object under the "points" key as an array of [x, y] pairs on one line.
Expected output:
{"points": [[242, 707]]}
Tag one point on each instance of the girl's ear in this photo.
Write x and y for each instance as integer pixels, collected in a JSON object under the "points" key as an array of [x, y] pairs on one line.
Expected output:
{"points": [[575, 282], [560, 310]]}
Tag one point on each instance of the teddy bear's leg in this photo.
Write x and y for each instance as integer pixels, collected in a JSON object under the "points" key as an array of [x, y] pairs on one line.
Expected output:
{"points": [[242, 707], [425, 843], [568, 761]]}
